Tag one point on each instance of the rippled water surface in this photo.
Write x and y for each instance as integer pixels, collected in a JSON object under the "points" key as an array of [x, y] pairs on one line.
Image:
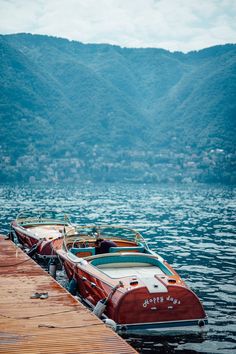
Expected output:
{"points": [[193, 228]]}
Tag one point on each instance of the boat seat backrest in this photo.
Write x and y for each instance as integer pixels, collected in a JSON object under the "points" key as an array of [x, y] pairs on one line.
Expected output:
{"points": [[83, 252], [127, 249]]}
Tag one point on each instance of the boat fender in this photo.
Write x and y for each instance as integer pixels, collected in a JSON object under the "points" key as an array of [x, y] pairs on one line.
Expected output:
{"points": [[102, 304], [72, 287], [52, 268], [100, 308], [110, 323]]}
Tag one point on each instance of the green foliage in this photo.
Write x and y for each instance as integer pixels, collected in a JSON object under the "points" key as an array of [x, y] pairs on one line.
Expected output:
{"points": [[109, 107]]}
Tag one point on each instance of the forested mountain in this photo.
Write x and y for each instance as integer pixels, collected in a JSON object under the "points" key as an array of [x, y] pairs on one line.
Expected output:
{"points": [[78, 112]]}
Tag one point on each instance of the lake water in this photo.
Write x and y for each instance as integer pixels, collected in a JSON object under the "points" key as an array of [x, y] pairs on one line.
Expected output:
{"points": [[193, 228]]}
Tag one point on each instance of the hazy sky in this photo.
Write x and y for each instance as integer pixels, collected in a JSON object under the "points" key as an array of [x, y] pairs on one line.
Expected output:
{"points": [[171, 24]]}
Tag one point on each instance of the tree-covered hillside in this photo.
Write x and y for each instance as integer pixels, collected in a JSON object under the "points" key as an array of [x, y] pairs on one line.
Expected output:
{"points": [[76, 112]]}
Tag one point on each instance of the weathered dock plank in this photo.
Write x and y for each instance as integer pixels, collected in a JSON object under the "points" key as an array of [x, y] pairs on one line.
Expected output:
{"points": [[58, 324]]}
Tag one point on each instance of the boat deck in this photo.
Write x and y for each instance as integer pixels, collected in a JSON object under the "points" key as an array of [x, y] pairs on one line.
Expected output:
{"points": [[57, 324], [48, 231], [145, 270]]}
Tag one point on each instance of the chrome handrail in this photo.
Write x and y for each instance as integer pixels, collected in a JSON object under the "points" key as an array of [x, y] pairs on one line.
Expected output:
{"points": [[94, 231], [24, 216]]}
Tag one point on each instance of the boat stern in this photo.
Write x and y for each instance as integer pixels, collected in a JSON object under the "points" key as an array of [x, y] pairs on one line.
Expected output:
{"points": [[176, 310]]}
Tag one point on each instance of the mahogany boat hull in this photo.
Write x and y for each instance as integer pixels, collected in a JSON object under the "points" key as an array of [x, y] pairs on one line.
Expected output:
{"points": [[172, 308]]}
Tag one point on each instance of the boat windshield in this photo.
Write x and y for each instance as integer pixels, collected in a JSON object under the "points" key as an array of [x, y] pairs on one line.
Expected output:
{"points": [[108, 232], [42, 216]]}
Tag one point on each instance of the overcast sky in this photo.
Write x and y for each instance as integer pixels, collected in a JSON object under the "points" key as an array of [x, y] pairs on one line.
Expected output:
{"points": [[171, 24]]}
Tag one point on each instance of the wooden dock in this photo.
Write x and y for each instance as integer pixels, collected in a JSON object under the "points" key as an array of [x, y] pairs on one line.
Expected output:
{"points": [[57, 324]]}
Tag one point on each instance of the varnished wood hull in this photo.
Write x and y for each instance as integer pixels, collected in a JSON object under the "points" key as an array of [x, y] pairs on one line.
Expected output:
{"points": [[135, 308]]}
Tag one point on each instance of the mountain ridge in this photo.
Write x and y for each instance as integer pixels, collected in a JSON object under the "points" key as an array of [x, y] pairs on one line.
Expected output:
{"points": [[105, 109]]}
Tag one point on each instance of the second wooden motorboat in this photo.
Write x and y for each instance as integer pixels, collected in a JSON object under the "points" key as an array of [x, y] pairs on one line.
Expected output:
{"points": [[35, 230]]}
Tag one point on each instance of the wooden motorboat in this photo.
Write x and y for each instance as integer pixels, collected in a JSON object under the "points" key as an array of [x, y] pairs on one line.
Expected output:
{"points": [[35, 230], [130, 284]]}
